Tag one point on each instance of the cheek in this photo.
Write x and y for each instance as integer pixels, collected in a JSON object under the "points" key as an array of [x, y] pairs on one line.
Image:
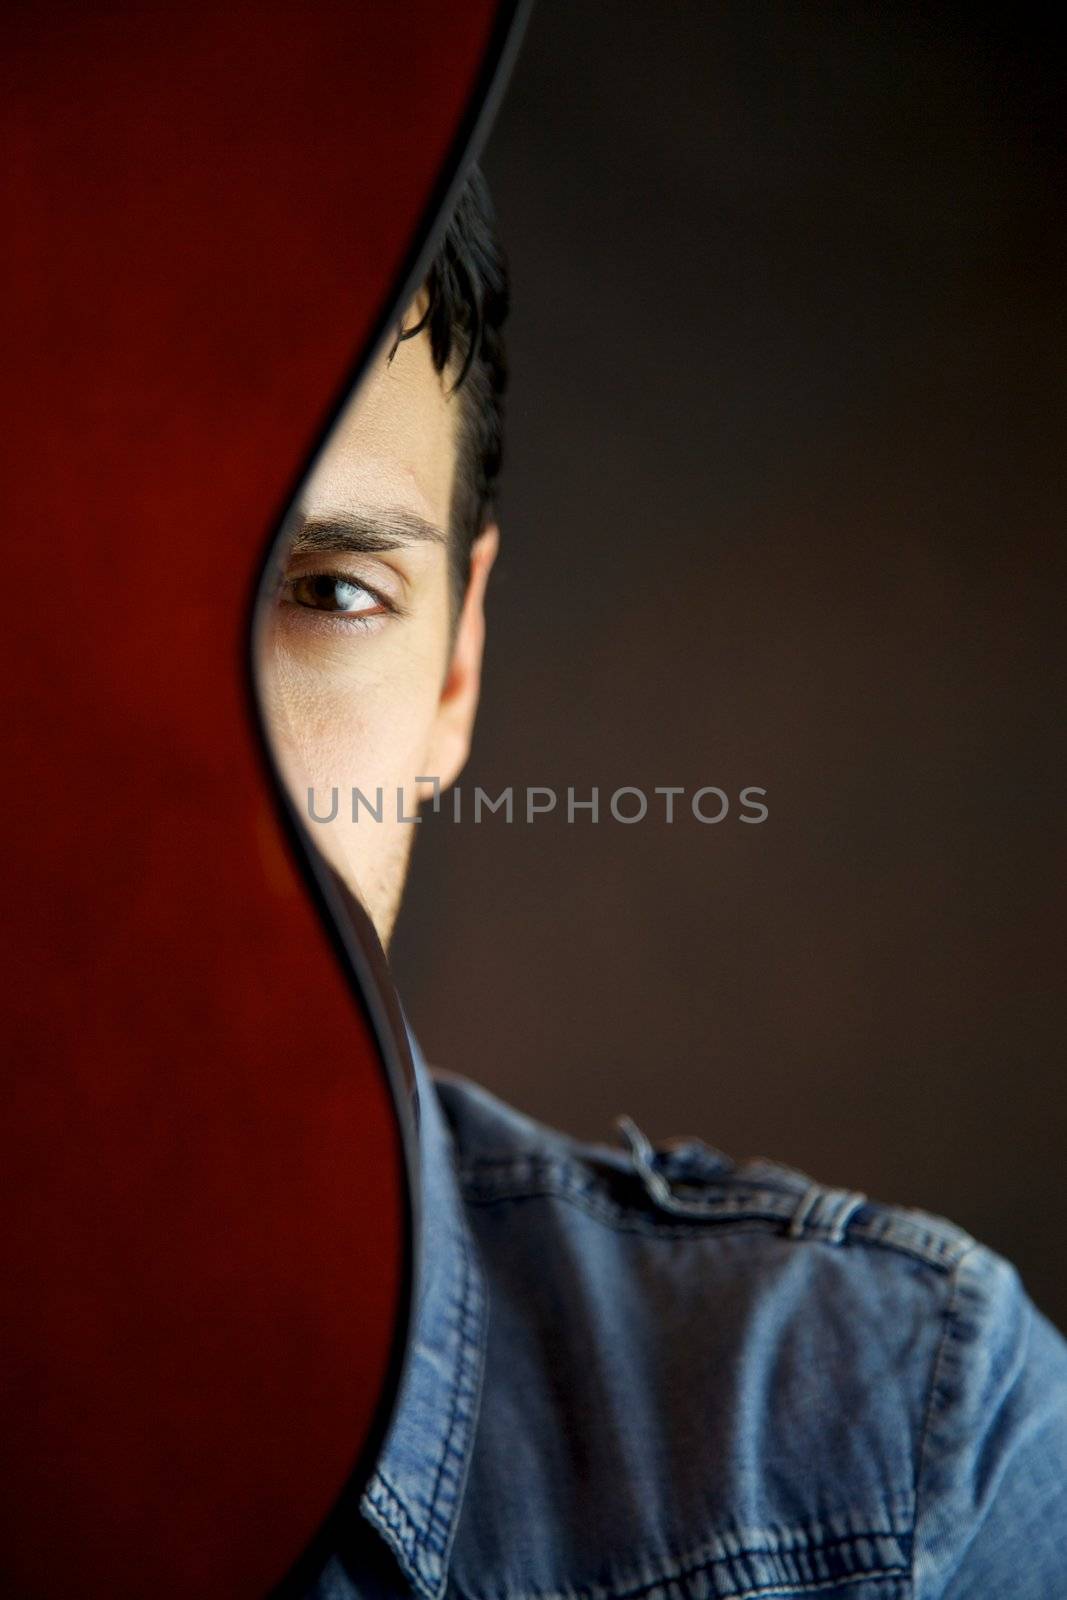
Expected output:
{"points": [[345, 731], [360, 714]]}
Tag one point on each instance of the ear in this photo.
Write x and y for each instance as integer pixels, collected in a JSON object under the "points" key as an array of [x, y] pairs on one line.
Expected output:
{"points": [[450, 738]]}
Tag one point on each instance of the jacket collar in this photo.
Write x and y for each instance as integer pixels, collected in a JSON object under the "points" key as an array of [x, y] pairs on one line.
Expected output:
{"points": [[415, 1494]]}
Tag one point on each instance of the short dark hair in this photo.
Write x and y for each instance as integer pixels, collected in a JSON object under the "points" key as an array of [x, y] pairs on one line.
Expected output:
{"points": [[468, 295]]}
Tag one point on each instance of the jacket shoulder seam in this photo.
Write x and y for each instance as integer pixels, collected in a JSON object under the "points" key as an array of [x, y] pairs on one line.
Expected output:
{"points": [[816, 1213]]}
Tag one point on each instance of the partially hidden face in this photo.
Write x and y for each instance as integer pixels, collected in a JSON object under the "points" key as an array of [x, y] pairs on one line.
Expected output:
{"points": [[368, 671]]}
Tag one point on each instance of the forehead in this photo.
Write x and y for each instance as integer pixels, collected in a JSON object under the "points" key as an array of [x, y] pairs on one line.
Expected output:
{"points": [[395, 441]]}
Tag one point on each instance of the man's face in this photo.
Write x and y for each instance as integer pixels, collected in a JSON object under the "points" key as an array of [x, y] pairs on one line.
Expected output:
{"points": [[368, 679]]}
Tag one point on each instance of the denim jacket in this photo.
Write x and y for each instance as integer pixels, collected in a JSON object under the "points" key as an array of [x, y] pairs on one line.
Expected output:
{"points": [[645, 1373]]}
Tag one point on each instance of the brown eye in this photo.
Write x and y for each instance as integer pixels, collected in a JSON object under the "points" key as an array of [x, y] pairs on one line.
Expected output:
{"points": [[319, 591]]}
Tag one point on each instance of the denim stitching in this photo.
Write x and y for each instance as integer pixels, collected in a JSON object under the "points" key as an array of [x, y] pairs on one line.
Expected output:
{"points": [[461, 1334], [761, 1592], [394, 1513], [631, 1222], [465, 1388], [702, 1561], [781, 1206], [485, 1178], [951, 1315], [901, 1236]]}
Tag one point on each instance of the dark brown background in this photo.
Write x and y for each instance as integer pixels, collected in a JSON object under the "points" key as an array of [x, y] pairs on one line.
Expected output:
{"points": [[783, 501]]}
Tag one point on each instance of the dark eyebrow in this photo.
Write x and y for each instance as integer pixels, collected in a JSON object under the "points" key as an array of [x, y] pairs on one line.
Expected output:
{"points": [[365, 533]]}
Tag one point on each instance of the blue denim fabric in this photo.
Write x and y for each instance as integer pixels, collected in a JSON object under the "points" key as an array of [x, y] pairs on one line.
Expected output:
{"points": [[652, 1374]]}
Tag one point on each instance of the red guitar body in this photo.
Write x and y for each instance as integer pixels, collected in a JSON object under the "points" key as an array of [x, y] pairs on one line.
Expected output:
{"points": [[208, 1234]]}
